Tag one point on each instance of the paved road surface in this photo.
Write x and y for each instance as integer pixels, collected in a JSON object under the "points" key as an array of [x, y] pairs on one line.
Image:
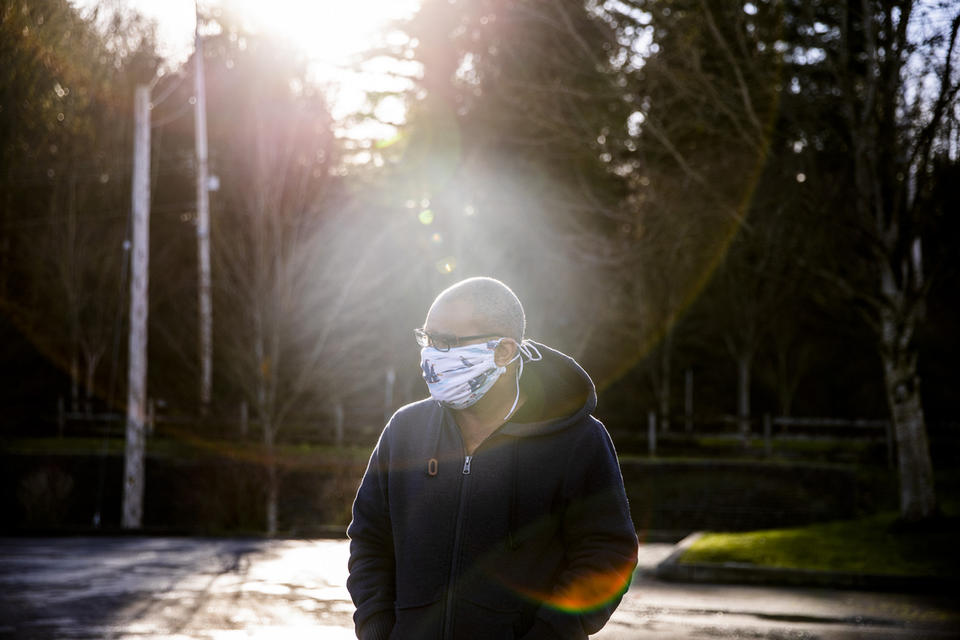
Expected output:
{"points": [[228, 589]]}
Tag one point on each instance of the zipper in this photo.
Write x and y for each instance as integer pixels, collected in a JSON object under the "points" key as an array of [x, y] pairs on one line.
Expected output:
{"points": [[447, 631]]}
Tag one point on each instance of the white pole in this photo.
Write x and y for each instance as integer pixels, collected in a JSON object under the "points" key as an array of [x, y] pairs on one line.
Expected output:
{"points": [[203, 229], [133, 471], [388, 394]]}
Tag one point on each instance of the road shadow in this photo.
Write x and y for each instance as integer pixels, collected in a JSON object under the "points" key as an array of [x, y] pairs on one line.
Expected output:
{"points": [[88, 587]]}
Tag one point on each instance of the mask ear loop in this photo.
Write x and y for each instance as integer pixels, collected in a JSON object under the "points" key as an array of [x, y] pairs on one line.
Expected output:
{"points": [[526, 349]]}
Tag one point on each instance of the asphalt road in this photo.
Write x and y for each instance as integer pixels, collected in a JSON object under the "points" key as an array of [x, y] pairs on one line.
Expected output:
{"points": [[225, 589]]}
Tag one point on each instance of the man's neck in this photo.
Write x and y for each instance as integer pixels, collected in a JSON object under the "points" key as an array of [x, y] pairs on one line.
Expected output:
{"points": [[478, 422]]}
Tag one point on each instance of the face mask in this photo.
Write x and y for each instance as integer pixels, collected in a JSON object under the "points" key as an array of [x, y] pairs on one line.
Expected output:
{"points": [[459, 377]]}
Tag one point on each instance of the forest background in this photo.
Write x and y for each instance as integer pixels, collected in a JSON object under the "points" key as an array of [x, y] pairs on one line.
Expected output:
{"points": [[759, 197]]}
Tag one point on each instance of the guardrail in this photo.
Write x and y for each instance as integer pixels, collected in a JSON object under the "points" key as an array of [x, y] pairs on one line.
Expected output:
{"points": [[768, 435], [772, 430]]}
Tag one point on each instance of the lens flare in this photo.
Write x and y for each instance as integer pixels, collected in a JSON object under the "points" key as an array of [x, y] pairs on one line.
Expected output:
{"points": [[389, 142], [587, 592], [447, 265]]}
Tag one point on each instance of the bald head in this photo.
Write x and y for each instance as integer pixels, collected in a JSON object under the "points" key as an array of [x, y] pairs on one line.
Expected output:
{"points": [[492, 305]]}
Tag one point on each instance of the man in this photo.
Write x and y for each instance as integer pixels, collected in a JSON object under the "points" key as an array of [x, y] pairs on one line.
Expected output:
{"points": [[495, 508]]}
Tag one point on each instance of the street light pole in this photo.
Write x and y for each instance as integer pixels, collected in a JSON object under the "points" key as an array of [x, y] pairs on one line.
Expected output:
{"points": [[134, 451], [205, 305]]}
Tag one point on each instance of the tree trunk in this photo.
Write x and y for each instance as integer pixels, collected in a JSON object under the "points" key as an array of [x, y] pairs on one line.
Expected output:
{"points": [[273, 489], [917, 496], [902, 385], [269, 456], [265, 412]]}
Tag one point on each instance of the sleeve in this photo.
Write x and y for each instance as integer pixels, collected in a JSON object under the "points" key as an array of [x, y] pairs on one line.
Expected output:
{"points": [[600, 543], [372, 579]]}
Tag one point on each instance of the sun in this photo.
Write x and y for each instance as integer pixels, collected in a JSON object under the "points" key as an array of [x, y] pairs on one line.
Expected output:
{"points": [[331, 34], [328, 31]]}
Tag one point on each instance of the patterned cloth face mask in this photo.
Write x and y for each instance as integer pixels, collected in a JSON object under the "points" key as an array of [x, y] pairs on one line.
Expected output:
{"points": [[458, 378]]}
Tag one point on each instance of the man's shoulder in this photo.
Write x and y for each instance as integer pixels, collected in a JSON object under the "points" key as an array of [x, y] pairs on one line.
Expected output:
{"points": [[589, 432], [414, 414], [409, 423]]}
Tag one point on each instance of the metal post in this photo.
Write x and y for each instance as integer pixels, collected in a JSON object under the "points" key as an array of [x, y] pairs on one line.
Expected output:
{"points": [[133, 472], [203, 228], [767, 434], [652, 433]]}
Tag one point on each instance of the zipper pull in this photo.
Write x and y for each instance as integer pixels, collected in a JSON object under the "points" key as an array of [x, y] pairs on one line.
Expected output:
{"points": [[466, 465]]}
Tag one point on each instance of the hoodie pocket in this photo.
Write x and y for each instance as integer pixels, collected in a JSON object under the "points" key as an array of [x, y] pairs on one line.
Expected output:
{"points": [[416, 619], [485, 612]]}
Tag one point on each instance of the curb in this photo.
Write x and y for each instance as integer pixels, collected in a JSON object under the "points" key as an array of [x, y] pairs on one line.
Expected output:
{"points": [[672, 570]]}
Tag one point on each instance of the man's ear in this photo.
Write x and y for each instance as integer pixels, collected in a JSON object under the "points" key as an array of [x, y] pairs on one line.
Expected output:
{"points": [[505, 351]]}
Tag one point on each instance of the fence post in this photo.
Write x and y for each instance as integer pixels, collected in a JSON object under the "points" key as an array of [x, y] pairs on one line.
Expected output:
{"points": [[688, 401], [652, 433], [889, 430], [338, 423], [61, 417], [244, 419], [767, 434], [151, 417]]}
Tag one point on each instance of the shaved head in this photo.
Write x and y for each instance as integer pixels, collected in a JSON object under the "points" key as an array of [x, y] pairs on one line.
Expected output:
{"points": [[493, 305]]}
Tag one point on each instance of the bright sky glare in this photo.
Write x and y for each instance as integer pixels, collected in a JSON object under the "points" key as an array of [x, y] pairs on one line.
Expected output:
{"points": [[330, 32]]}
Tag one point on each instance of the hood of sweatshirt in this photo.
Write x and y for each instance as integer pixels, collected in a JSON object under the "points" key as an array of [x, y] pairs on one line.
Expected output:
{"points": [[559, 393]]}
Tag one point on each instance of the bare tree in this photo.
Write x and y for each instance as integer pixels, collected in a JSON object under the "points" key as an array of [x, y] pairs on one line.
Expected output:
{"points": [[703, 111], [71, 250], [86, 257], [898, 70], [303, 279]]}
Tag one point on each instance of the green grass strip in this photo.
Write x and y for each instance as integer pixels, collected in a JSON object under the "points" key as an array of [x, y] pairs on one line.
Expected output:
{"points": [[869, 545]]}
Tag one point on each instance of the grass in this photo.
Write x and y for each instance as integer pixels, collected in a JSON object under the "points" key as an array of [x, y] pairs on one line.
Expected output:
{"points": [[870, 545]]}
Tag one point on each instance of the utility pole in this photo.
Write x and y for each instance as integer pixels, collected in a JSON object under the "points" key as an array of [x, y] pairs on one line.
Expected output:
{"points": [[133, 470], [205, 305]]}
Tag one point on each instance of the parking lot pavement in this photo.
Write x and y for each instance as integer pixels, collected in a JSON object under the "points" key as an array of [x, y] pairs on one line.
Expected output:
{"points": [[160, 588], [223, 589]]}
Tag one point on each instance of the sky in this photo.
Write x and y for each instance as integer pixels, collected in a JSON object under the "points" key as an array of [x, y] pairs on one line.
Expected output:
{"points": [[330, 32]]}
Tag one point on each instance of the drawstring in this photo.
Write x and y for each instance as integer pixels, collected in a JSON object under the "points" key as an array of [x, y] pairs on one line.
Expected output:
{"points": [[433, 464], [513, 495], [527, 350], [532, 354]]}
